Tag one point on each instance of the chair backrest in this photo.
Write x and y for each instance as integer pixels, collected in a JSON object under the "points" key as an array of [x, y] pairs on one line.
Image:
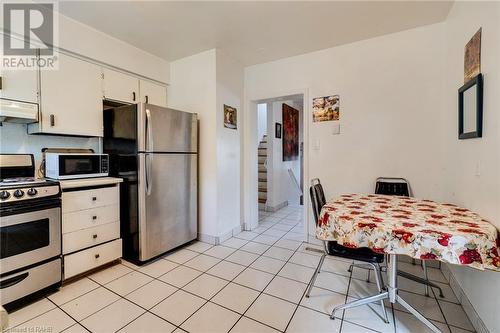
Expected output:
{"points": [[317, 198], [392, 186]]}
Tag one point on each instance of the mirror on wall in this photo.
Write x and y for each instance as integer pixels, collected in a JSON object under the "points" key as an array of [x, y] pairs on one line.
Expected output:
{"points": [[470, 109]]}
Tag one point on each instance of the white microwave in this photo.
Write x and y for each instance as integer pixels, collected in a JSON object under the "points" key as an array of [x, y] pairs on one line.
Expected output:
{"points": [[72, 166]]}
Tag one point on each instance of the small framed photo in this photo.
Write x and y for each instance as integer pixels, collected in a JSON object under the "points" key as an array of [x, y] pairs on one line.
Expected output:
{"points": [[277, 130], [230, 117]]}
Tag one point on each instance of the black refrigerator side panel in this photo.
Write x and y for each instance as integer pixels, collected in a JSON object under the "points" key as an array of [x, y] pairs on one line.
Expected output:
{"points": [[125, 167], [120, 130], [120, 142]]}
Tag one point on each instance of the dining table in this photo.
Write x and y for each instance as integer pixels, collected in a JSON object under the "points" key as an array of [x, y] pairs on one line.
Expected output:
{"points": [[418, 228]]}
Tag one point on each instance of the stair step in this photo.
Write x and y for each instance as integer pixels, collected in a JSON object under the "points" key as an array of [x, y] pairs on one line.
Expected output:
{"points": [[263, 189], [262, 201]]}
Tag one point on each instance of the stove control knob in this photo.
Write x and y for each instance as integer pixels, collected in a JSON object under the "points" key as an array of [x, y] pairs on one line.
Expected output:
{"points": [[4, 195], [18, 193], [32, 192]]}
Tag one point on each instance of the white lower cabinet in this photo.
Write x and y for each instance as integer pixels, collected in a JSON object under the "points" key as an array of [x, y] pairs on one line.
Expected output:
{"points": [[93, 257], [90, 228]]}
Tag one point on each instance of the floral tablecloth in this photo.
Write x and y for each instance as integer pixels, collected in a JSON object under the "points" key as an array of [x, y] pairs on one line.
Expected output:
{"points": [[422, 229]]}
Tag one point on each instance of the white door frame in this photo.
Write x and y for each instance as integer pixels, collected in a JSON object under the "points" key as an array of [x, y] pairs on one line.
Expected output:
{"points": [[250, 144]]}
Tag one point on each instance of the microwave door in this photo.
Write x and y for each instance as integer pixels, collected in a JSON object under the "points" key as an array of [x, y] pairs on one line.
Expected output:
{"points": [[167, 130]]}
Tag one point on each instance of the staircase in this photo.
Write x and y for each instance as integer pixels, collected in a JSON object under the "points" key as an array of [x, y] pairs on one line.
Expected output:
{"points": [[262, 173]]}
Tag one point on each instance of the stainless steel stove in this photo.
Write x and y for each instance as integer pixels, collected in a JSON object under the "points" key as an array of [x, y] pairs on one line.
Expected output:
{"points": [[30, 230]]}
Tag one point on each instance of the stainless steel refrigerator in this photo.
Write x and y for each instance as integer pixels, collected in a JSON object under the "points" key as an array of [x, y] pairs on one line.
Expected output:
{"points": [[155, 151]]}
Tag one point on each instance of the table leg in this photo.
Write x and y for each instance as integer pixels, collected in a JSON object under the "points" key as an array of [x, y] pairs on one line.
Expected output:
{"points": [[392, 272], [391, 294]]}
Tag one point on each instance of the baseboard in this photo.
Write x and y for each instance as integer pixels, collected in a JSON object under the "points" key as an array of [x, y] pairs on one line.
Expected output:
{"points": [[207, 239], [476, 321], [277, 207], [216, 240]]}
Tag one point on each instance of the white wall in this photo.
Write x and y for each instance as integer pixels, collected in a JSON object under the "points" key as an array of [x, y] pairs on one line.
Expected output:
{"points": [[390, 89], [281, 188], [203, 83], [15, 139], [479, 193], [82, 39], [193, 89], [261, 121], [229, 92]]}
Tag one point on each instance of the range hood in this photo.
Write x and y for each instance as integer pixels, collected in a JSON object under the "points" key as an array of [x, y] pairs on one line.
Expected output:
{"points": [[18, 112]]}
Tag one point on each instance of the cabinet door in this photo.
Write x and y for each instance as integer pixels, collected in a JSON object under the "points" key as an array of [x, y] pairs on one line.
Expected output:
{"points": [[20, 85], [152, 93], [120, 87], [71, 98]]}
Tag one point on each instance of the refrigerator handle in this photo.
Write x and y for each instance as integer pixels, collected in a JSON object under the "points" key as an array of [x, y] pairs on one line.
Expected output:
{"points": [[149, 133], [148, 160]]}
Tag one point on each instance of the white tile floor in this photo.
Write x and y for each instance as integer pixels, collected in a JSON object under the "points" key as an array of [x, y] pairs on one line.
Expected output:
{"points": [[253, 282]]}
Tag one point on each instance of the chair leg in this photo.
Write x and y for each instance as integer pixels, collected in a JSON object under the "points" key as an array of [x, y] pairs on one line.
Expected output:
{"points": [[378, 280], [316, 272], [426, 277]]}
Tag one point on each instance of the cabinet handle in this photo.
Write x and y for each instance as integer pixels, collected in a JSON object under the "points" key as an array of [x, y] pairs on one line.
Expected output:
{"points": [[52, 120], [94, 217], [147, 99], [94, 198], [94, 236], [133, 96], [97, 256]]}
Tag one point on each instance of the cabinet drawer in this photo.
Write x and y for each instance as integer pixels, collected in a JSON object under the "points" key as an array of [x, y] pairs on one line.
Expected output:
{"points": [[81, 239], [85, 260], [89, 218], [86, 199]]}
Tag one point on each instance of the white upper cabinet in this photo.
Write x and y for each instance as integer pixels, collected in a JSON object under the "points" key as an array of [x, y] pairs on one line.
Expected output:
{"points": [[120, 87], [20, 85], [152, 93], [71, 99]]}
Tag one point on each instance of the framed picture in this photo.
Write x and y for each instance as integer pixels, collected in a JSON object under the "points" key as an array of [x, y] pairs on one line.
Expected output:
{"points": [[326, 108], [277, 130], [230, 117], [290, 133], [470, 109], [472, 57]]}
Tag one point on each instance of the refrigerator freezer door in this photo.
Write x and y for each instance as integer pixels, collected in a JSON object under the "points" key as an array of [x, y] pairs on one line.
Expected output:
{"points": [[167, 130], [168, 211]]}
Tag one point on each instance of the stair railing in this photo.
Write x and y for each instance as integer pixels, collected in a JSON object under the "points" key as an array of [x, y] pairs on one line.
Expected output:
{"points": [[295, 181]]}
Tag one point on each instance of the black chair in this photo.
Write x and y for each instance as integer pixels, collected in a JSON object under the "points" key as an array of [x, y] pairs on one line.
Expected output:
{"points": [[332, 248], [401, 187]]}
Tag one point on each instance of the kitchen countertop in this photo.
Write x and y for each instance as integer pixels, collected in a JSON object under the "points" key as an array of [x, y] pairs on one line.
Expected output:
{"points": [[86, 182]]}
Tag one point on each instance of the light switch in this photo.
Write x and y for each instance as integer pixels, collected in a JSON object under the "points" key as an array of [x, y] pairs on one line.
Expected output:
{"points": [[478, 169]]}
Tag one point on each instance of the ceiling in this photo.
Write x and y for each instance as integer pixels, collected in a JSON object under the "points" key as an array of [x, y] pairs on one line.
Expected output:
{"points": [[251, 32]]}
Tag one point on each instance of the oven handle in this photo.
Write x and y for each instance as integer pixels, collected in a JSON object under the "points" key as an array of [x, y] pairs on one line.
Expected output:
{"points": [[13, 280]]}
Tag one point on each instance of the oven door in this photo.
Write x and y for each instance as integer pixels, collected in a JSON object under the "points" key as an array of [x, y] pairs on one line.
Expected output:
{"points": [[30, 234]]}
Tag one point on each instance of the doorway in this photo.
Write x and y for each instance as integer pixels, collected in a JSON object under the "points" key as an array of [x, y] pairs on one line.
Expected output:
{"points": [[277, 133]]}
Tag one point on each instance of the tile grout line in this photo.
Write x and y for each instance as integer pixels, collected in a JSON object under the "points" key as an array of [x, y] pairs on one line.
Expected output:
{"points": [[259, 255], [262, 292], [241, 315]]}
